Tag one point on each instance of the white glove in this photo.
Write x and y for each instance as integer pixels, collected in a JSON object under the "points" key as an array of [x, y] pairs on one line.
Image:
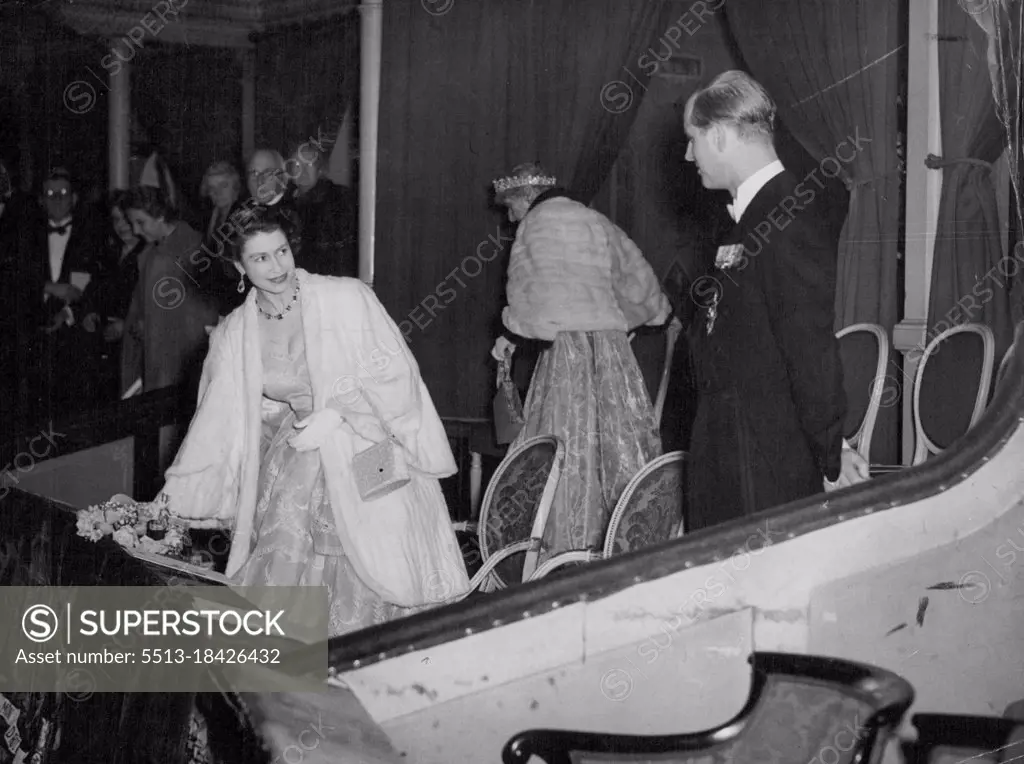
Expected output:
{"points": [[502, 347], [314, 429], [853, 470]]}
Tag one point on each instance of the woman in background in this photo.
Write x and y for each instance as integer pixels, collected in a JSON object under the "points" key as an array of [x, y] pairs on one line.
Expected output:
{"points": [[307, 373], [577, 281], [118, 272], [222, 185], [165, 329]]}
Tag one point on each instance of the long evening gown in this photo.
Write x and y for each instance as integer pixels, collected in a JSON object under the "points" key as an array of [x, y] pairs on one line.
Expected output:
{"points": [[588, 390], [295, 542]]}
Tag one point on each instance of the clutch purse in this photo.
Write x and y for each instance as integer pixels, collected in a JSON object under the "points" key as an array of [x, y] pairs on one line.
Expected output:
{"points": [[508, 409], [381, 468]]}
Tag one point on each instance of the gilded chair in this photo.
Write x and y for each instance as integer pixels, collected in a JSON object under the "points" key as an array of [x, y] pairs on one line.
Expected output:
{"points": [[675, 326], [953, 739], [858, 345], [672, 332], [1004, 365], [951, 387], [801, 708], [515, 511], [650, 510]]}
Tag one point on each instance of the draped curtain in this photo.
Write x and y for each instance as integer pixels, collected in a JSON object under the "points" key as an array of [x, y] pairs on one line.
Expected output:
{"points": [[968, 243], [466, 94], [1003, 24], [306, 77], [186, 105], [832, 67]]}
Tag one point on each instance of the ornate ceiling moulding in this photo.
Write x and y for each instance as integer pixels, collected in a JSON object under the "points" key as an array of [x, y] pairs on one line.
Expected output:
{"points": [[184, 22], [288, 12], [217, 23]]}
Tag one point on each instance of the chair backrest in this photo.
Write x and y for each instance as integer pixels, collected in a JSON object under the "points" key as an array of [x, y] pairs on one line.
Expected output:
{"points": [[957, 739], [671, 337], [518, 499], [801, 708], [651, 507], [951, 387], [1004, 365], [863, 381]]}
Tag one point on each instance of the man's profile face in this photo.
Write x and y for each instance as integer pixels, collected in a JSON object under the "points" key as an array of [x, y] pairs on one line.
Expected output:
{"points": [[265, 177], [58, 199], [706, 149]]}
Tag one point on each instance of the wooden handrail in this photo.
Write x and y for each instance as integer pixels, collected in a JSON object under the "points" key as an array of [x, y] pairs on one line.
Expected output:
{"points": [[140, 417]]}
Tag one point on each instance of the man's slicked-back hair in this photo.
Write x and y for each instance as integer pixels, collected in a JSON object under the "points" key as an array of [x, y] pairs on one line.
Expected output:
{"points": [[733, 98]]}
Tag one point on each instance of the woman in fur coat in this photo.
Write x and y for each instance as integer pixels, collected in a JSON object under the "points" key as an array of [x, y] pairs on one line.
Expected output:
{"points": [[577, 281]]}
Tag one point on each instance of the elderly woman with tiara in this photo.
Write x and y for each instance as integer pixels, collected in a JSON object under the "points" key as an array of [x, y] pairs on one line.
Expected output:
{"points": [[576, 280]]}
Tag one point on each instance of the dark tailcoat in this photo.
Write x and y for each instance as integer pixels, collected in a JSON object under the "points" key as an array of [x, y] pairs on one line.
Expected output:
{"points": [[83, 249], [771, 408]]}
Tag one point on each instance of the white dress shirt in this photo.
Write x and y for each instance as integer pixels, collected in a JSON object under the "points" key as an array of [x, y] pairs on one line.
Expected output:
{"points": [[748, 189], [58, 245]]}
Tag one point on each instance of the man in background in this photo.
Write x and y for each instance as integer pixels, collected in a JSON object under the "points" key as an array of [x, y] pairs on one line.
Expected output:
{"points": [[327, 212], [265, 178], [57, 253]]}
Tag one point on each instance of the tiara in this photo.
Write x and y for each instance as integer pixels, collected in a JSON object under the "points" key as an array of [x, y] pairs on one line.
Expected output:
{"points": [[510, 182]]}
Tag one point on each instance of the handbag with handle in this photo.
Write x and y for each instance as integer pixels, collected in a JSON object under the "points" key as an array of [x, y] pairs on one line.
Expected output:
{"points": [[380, 469], [508, 409]]}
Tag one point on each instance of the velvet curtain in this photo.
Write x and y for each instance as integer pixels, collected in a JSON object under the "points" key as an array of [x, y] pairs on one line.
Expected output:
{"points": [[306, 76], [188, 105], [832, 67], [465, 94], [966, 285]]}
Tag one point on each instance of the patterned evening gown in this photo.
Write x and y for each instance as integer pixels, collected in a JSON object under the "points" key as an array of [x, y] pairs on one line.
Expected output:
{"points": [[295, 542], [588, 390]]}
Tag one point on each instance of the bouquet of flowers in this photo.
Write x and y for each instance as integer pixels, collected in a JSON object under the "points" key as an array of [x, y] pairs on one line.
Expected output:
{"points": [[148, 527]]}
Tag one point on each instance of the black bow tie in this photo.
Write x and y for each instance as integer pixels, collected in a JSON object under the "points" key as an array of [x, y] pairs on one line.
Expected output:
{"points": [[60, 230]]}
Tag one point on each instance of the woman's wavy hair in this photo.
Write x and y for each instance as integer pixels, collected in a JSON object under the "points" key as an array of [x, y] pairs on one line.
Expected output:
{"points": [[153, 201], [220, 168], [116, 200], [260, 219]]}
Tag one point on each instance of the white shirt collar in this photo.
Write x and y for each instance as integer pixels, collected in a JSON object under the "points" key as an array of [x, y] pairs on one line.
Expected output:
{"points": [[64, 222], [748, 189]]}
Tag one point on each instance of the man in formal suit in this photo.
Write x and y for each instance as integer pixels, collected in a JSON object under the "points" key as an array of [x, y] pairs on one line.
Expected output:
{"points": [[56, 260], [771, 410]]}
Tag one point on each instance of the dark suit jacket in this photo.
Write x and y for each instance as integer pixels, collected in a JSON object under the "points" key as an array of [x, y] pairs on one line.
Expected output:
{"points": [[83, 248], [328, 214], [770, 416]]}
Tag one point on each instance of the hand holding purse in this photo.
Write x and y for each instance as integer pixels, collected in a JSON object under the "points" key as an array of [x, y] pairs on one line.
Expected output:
{"points": [[380, 469], [508, 409]]}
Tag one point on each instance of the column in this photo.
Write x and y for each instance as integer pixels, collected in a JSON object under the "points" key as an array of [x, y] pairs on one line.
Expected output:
{"points": [[372, 25], [26, 117], [119, 125], [248, 59], [923, 188]]}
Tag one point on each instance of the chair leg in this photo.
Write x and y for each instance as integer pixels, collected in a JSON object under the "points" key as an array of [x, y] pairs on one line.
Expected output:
{"points": [[476, 473]]}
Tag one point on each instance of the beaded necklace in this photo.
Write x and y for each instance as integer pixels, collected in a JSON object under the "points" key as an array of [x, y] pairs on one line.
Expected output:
{"points": [[281, 315]]}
